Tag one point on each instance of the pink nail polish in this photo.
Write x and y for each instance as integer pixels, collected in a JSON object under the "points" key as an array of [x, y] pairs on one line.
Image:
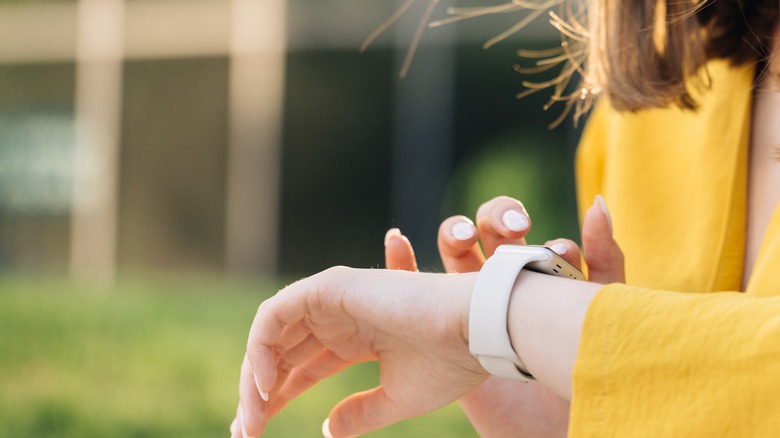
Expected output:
{"points": [[462, 231], [603, 206], [241, 420], [263, 394], [559, 249], [514, 220], [390, 233], [326, 429]]}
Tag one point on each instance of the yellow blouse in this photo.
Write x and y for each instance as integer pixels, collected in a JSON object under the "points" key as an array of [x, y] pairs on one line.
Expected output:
{"points": [[654, 361]]}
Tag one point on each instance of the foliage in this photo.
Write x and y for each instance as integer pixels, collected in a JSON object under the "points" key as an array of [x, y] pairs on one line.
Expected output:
{"points": [[534, 169], [149, 358]]}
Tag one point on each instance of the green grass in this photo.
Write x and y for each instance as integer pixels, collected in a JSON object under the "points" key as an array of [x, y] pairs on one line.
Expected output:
{"points": [[149, 359]]}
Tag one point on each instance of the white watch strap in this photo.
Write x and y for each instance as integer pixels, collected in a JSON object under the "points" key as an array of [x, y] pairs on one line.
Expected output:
{"points": [[488, 330]]}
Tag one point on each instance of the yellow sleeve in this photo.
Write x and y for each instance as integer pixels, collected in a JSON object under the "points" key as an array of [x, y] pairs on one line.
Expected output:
{"points": [[675, 179], [656, 363]]}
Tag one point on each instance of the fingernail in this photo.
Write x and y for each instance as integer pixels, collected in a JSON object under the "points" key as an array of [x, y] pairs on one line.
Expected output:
{"points": [[326, 429], [233, 427], [390, 233], [263, 394], [559, 248], [241, 420], [462, 231], [603, 205], [514, 220]]}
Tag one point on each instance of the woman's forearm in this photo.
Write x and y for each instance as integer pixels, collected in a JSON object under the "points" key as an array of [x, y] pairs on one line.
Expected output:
{"points": [[546, 315], [545, 319]]}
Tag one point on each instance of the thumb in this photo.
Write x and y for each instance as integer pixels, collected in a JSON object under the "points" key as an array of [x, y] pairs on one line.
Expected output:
{"points": [[602, 254], [361, 413]]}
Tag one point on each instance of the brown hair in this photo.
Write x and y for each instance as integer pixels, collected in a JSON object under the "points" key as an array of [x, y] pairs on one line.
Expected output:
{"points": [[648, 53]]}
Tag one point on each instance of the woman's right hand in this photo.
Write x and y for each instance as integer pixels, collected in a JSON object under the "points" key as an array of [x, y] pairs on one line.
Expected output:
{"points": [[414, 325], [501, 407]]}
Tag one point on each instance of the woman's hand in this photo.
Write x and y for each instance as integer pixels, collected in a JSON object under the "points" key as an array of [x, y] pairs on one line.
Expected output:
{"points": [[504, 220], [414, 325], [501, 407]]}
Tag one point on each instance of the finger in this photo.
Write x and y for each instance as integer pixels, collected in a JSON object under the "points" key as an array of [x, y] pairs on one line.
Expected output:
{"points": [[602, 254], [292, 335], [502, 220], [399, 253], [289, 306], [305, 376], [252, 415], [458, 248], [568, 250], [294, 357], [361, 413], [235, 428]]}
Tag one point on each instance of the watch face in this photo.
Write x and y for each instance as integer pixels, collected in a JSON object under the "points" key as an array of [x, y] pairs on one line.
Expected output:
{"points": [[548, 262]]}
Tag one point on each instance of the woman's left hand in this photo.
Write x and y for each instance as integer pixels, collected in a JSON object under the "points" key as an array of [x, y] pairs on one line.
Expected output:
{"points": [[410, 323]]}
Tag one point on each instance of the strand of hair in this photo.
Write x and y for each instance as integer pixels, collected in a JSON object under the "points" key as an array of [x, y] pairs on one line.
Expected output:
{"points": [[526, 53], [517, 27], [476, 13], [385, 25], [564, 25], [532, 70], [562, 116], [416, 38]]}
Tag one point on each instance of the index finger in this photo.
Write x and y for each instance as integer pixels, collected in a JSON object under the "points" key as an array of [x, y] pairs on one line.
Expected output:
{"points": [[458, 248], [500, 221], [286, 307]]}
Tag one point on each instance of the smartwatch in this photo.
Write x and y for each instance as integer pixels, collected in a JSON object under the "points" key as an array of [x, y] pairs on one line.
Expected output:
{"points": [[488, 330]]}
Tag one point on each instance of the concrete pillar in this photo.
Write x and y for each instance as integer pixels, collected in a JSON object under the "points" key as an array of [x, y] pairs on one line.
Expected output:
{"points": [[257, 67], [99, 51]]}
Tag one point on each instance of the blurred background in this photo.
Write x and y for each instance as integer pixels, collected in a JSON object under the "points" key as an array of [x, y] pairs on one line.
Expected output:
{"points": [[167, 164]]}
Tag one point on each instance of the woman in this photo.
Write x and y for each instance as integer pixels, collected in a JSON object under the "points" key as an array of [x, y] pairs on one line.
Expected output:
{"points": [[692, 195]]}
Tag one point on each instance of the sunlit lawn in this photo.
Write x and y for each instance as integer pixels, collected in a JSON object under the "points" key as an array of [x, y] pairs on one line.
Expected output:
{"points": [[151, 358]]}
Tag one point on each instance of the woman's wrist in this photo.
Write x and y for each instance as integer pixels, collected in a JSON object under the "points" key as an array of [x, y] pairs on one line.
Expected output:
{"points": [[460, 288], [463, 303], [546, 315]]}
